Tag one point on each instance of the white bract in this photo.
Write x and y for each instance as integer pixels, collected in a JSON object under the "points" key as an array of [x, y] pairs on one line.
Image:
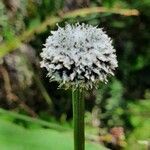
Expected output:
{"points": [[79, 55]]}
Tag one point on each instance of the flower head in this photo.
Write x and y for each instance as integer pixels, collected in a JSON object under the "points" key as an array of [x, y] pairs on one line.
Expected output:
{"points": [[79, 55]]}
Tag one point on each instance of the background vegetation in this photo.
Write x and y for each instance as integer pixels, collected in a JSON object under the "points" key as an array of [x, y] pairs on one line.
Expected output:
{"points": [[35, 115]]}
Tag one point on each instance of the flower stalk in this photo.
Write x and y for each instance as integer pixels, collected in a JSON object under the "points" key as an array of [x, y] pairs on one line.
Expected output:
{"points": [[78, 118]]}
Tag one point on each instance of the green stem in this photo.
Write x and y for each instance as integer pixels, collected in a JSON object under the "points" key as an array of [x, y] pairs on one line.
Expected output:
{"points": [[78, 116]]}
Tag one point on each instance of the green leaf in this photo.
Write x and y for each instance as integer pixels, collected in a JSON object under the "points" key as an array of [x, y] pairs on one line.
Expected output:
{"points": [[14, 137]]}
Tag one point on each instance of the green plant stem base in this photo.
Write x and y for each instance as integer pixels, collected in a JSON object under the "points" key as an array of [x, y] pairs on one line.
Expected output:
{"points": [[78, 116]]}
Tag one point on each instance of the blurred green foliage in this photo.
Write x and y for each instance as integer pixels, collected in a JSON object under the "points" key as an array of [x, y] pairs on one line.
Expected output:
{"points": [[36, 139], [125, 101], [139, 118]]}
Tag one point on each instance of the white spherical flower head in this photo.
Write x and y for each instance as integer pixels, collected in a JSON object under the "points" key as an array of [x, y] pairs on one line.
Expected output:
{"points": [[79, 55]]}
